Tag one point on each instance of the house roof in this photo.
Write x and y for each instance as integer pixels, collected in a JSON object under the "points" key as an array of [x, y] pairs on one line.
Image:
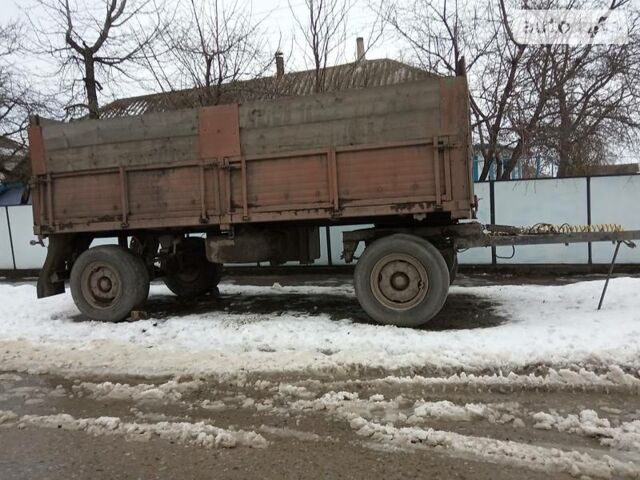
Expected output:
{"points": [[9, 147], [11, 195], [13, 159], [366, 73]]}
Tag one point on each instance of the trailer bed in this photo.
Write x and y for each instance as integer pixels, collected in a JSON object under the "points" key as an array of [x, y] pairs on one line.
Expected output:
{"points": [[357, 154]]}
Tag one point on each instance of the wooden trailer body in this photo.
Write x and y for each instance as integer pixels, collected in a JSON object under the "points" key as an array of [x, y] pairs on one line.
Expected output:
{"points": [[354, 156]]}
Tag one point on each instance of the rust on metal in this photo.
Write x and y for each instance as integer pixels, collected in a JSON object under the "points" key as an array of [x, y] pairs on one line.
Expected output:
{"points": [[219, 131]]}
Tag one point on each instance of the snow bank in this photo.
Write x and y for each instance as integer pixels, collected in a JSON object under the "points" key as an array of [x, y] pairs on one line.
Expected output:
{"points": [[198, 434], [614, 378], [551, 325], [171, 391], [446, 410], [626, 436], [501, 451]]}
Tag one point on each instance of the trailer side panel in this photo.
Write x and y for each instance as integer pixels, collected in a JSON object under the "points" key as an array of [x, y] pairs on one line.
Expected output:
{"points": [[394, 150]]}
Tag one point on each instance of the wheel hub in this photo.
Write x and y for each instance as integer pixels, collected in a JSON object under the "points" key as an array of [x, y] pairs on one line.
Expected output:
{"points": [[100, 285], [399, 281], [104, 284]]}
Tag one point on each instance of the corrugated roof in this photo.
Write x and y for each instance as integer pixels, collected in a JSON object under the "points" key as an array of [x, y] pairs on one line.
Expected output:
{"points": [[367, 73]]}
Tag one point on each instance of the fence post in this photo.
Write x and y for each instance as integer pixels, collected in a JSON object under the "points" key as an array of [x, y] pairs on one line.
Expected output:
{"points": [[492, 207], [13, 255], [329, 252], [590, 260]]}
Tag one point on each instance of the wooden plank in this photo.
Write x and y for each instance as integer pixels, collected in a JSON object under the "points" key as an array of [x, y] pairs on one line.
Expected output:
{"points": [[454, 106], [347, 104], [96, 196], [144, 152], [36, 150], [301, 180], [117, 130], [164, 192], [385, 174], [371, 130]]}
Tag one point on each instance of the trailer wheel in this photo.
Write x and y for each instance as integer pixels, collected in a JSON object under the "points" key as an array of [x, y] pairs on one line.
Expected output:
{"points": [[108, 282], [193, 275], [401, 280]]}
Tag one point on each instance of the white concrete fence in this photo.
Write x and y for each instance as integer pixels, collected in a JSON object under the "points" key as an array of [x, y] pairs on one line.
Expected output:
{"points": [[576, 201]]}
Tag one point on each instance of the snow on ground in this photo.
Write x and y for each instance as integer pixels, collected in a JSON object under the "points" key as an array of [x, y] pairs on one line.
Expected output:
{"points": [[170, 391], [198, 434], [551, 325], [562, 379], [626, 436], [387, 431]]}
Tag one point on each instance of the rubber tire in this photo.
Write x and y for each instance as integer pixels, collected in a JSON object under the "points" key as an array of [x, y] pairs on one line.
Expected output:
{"points": [[133, 275], [434, 264], [208, 274]]}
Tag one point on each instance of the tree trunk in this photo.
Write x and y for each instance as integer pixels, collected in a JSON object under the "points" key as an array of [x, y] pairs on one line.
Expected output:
{"points": [[498, 167], [90, 85], [509, 166], [485, 169], [564, 159], [564, 134]]}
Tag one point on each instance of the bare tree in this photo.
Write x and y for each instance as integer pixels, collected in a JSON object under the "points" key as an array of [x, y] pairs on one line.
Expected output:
{"points": [[570, 103], [209, 44], [594, 99], [323, 32], [17, 101], [455, 38], [95, 43]]}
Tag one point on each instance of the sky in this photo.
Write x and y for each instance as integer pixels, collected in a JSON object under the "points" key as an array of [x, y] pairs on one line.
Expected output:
{"points": [[280, 29], [277, 22]]}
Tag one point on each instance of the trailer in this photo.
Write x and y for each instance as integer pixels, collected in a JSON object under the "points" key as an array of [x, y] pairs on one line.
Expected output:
{"points": [[258, 179]]}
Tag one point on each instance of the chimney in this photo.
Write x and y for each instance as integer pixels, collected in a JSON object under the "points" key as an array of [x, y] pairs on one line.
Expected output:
{"points": [[360, 49], [279, 65]]}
